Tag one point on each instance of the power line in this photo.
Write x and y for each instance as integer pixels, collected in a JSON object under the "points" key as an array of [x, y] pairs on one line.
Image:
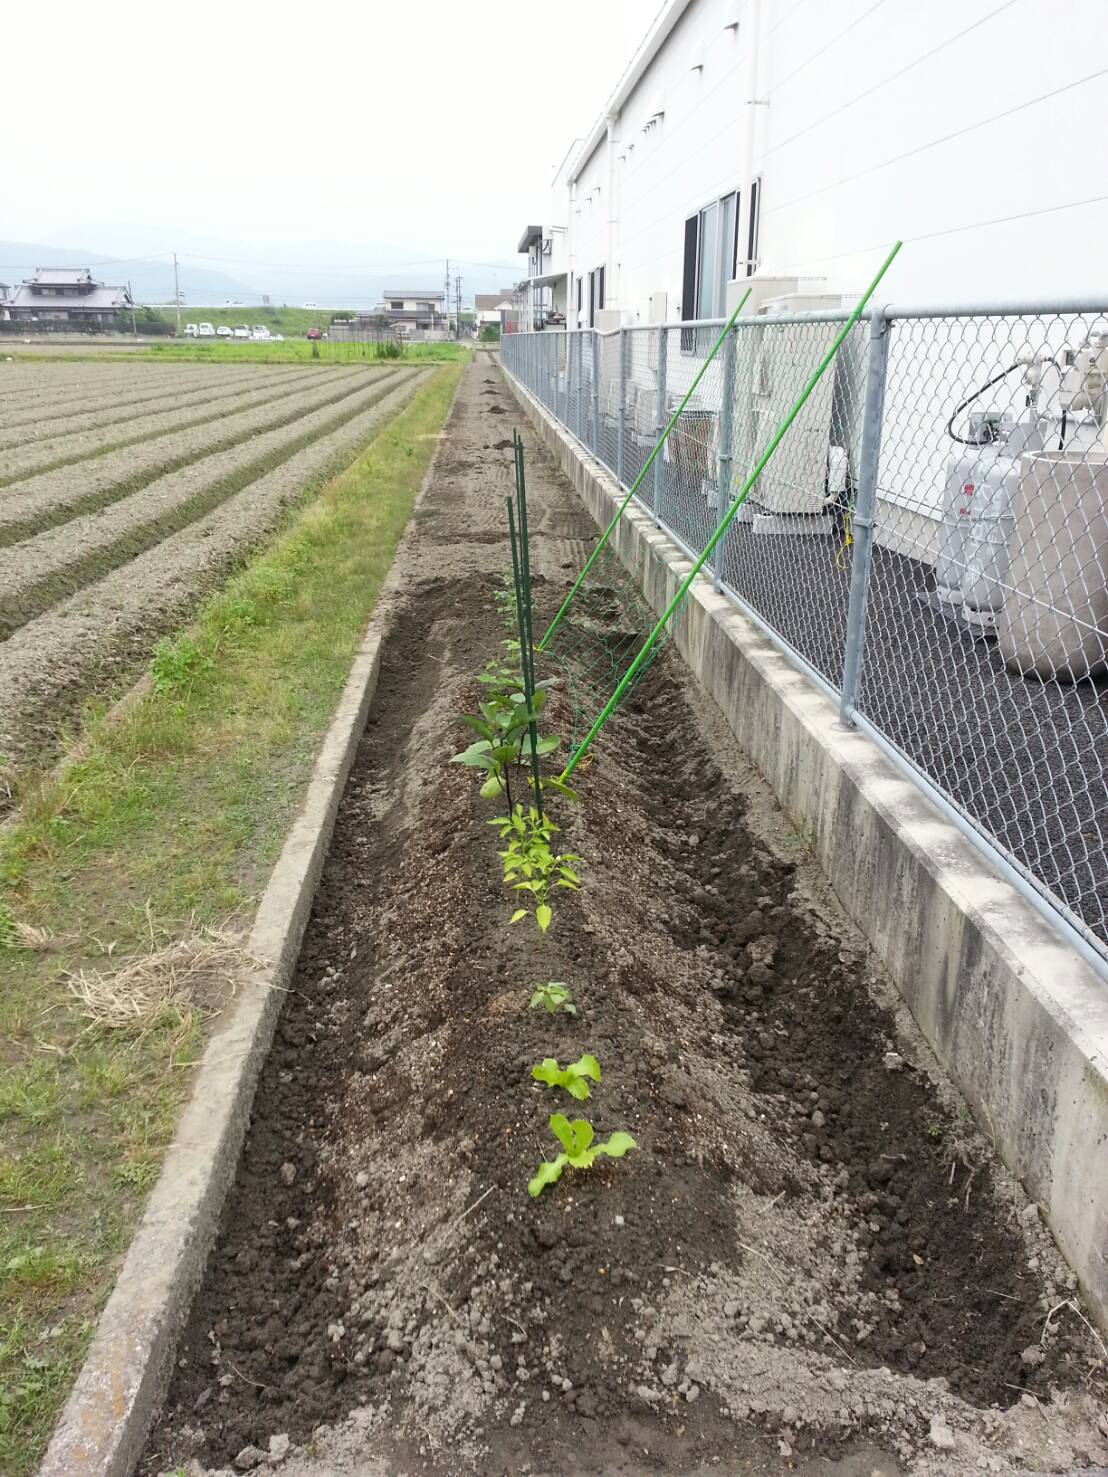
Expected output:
{"points": [[945, 138]]}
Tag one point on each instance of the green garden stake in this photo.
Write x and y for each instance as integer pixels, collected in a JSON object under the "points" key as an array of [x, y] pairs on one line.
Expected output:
{"points": [[528, 686], [725, 522], [727, 327]]}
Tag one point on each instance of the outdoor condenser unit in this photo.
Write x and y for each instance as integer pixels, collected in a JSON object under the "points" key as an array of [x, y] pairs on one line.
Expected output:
{"points": [[775, 370]]}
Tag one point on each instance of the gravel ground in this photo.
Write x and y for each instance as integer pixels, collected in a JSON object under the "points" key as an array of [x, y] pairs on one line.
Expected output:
{"points": [[99, 637], [40, 502], [811, 1263], [1026, 760], [187, 410]]}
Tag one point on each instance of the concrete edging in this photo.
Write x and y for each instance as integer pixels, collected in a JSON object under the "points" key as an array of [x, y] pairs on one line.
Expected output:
{"points": [[1016, 1017], [111, 1407]]}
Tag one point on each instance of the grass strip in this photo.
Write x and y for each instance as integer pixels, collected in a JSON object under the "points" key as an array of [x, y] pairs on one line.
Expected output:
{"points": [[171, 820], [291, 351]]}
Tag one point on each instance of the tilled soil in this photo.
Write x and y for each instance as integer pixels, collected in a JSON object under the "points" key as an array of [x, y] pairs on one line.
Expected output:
{"points": [[811, 1262], [97, 638], [47, 451]]}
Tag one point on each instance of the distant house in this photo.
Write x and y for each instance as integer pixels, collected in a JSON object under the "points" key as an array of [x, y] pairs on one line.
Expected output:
{"points": [[493, 308], [411, 310], [5, 301], [67, 297]]}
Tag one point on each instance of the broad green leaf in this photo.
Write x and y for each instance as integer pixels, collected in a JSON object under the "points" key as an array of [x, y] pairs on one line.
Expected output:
{"points": [[563, 1132], [543, 915], [483, 730], [582, 1131], [616, 1145], [569, 873], [548, 1172], [547, 744], [517, 915], [492, 787], [586, 1066], [547, 1071]]}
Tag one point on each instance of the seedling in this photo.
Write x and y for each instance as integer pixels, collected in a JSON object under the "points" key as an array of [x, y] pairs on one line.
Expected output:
{"points": [[575, 1078], [554, 997], [578, 1150], [530, 865], [501, 730]]}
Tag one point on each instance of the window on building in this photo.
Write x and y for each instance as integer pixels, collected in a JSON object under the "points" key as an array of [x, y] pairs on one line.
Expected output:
{"points": [[596, 294], [399, 306], [711, 255], [577, 324]]}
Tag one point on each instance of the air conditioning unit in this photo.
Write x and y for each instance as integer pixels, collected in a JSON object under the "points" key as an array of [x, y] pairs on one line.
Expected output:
{"points": [[774, 366]]}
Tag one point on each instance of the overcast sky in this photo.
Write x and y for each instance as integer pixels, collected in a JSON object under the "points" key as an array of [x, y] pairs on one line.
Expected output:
{"points": [[428, 124]]}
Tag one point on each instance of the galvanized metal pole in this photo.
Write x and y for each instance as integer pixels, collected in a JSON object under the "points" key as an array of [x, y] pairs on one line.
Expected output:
{"points": [[579, 427], [596, 395], [621, 421], [865, 505], [726, 455], [660, 419]]}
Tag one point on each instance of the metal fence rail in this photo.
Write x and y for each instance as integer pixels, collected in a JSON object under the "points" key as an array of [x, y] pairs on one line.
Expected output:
{"points": [[931, 540]]}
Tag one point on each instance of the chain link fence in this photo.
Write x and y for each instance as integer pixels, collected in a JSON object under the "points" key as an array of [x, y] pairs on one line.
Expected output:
{"points": [[930, 540]]}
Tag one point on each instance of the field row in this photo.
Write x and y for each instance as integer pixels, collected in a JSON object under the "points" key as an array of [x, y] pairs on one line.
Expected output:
{"points": [[38, 571], [125, 576], [32, 458], [47, 498], [44, 418]]}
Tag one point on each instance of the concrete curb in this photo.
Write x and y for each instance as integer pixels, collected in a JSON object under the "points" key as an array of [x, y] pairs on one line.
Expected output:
{"points": [[1016, 1017], [109, 1412]]}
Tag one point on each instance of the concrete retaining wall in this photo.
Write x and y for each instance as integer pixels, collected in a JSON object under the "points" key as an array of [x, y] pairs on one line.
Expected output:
{"points": [[1016, 1017]]}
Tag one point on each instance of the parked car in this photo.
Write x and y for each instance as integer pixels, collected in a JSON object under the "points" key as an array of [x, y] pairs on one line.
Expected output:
{"points": [[207, 331], [192, 330], [242, 330], [260, 331], [278, 338], [315, 333], [224, 331]]}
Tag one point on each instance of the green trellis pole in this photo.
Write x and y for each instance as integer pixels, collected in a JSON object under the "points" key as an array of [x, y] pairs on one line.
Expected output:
{"points": [[727, 327], [725, 522], [525, 665]]}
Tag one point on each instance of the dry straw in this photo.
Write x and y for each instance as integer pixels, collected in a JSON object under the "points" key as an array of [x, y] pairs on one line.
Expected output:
{"points": [[197, 972]]}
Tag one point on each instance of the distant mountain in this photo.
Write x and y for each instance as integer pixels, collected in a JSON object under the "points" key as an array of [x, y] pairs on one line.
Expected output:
{"points": [[248, 272]]}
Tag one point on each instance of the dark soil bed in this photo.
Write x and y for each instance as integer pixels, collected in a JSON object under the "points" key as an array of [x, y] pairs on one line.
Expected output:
{"points": [[810, 1257]]}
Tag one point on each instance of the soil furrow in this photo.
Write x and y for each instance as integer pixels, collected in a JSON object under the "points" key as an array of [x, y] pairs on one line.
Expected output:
{"points": [[45, 456], [27, 420], [99, 638], [34, 512], [812, 1253]]}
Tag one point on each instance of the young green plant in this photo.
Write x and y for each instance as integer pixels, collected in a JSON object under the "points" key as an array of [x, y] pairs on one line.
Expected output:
{"points": [[531, 865], [575, 1078], [578, 1150], [553, 996]]}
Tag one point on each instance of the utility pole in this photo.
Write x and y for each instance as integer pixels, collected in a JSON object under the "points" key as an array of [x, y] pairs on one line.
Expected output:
{"points": [[177, 294], [131, 296], [457, 307], [446, 296]]}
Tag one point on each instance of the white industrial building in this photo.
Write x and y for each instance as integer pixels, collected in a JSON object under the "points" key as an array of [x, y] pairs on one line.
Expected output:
{"points": [[784, 145], [972, 129]]}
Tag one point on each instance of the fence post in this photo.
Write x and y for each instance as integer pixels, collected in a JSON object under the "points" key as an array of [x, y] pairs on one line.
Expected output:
{"points": [[726, 455], [596, 394], [660, 419], [621, 422], [865, 505]]}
